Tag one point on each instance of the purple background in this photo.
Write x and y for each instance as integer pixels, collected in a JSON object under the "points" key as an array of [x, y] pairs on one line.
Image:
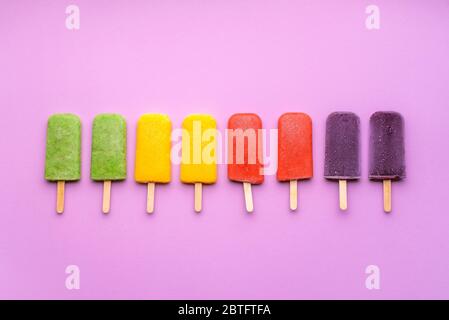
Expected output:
{"points": [[222, 57]]}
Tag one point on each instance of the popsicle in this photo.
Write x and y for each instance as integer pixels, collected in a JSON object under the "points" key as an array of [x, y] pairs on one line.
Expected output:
{"points": [[153, 153], [294, 151], [245, 153], [342, 151], [108, 159], [386, 151], [199, 164], [63, 153]]}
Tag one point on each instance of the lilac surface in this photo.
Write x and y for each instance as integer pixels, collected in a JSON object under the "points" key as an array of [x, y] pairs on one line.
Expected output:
{"points": [[386, 148], [342, 146], [221, 58]]}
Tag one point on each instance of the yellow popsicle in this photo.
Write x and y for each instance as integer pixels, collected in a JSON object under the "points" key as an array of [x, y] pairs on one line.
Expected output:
{"points": [[199, 163], [153, 153]]}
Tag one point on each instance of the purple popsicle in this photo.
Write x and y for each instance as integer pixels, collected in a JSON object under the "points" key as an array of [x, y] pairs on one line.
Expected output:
{"points": [[386, 151], [386, 157], [342, 150]]}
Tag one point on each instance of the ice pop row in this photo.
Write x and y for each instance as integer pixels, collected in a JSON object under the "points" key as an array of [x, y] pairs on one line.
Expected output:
{"points": [[386, 151], [245, 156]]}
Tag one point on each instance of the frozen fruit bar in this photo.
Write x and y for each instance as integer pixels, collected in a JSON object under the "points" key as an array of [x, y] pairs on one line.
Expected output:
{"points": [[386, 158], [294, 147], [294, 151], [245, 148], [386, 151], [245, 153], [108, 159], [198, 149], [153, 163], [342, 151], [199, 164], [153, 149], [63, 153], [342, 146]]}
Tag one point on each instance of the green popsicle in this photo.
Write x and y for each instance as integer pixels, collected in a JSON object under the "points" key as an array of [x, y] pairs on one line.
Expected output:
{"points": [[63, 152], [108, 162]]}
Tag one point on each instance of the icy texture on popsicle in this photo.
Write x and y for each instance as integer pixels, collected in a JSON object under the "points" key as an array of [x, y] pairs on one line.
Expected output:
{"points": [[199, 163], [342, 146], [153, 149], [294, 147], [108, 160], [244, 147], [62, 159], [386, 150]]}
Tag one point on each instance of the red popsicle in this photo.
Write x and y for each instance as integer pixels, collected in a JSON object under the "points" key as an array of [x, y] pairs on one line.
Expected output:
{"points": [[245, 152], [294, 151]]}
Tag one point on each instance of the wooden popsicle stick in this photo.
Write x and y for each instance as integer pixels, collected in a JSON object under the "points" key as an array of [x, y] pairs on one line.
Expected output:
{"points": [[198, 196], [60, 196], [106, 196], [248, 197], [342, 188], [150, 197], [293, 194], [387, 195]]}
